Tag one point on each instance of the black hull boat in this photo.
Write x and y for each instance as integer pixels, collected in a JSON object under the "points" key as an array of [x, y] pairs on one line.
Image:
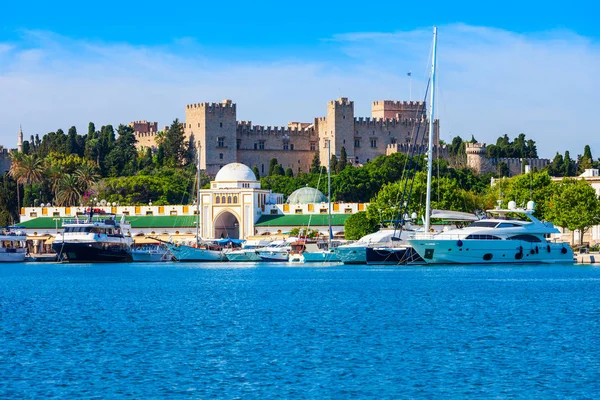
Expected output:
{"points": [[392, 256], [92, 252]]}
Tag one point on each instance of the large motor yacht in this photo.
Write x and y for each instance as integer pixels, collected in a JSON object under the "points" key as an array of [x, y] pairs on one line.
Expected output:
{"points": [[95, 237], [511, 235], [12, 244]]}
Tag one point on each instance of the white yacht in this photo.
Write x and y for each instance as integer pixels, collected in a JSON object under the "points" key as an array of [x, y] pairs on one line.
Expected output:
{"points": [[95, 237], [12, 244], [276, 251], [512, 235], [248, 252]]}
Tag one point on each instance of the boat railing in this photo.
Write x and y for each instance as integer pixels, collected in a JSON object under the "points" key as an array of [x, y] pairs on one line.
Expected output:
{"points": [[83, 221]]}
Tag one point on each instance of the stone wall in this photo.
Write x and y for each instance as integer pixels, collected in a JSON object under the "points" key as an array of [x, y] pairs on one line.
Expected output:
{"points": [[477, 160]]}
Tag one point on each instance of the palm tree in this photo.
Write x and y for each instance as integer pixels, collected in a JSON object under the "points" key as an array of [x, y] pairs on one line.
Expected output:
{"points": [[70, 191], [16, 172], [32, 169], [54, 173], [87, 175]]}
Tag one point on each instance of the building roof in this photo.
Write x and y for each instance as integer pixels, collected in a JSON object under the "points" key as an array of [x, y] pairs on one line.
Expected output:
{"points": [[306, 195], [235, 172], [301, 220], [136, 221]]}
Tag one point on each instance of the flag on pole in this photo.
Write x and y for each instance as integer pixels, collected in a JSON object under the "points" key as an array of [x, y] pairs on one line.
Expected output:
{"points": [[409, 73]]}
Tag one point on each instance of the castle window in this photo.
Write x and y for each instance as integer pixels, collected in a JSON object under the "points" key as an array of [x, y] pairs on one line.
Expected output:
{"points": [[343, 117], [255, 146], [356, 142], [228, 199], [220, 156], [218, 200], [291, 146], [261, 145], [237, 144], [373, 143], [235, 200], [313, 146], [220, 124], [220, 141], [262, 169], [393, 140], [285, 146], [198, 124]]}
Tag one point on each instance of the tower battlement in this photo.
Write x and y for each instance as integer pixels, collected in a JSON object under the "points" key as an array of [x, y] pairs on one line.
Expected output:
{"points": [[246, 127], [475, 148], [391, 109], [342, 101], [224, 106]]}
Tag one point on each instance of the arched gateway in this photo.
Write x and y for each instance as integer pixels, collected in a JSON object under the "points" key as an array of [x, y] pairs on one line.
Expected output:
{"points": [[234, 203]]}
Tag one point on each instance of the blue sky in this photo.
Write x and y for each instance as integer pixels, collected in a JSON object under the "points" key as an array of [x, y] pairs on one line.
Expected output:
{"points": [[504, 68]]}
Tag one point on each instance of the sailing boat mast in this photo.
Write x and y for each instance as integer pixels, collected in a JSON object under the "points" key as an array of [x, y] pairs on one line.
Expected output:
{"points": [[430, 136], [329, 194], [198, 197]]}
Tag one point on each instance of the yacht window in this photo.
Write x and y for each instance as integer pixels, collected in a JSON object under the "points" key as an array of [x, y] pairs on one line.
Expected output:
{"points": [[482, 237], [483, 224], [506, 225], [526, 238]]}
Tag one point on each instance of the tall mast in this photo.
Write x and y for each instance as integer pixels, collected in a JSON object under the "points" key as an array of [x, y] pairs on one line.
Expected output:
{"points": [[329, 194], [430, 138], [198, 197]]}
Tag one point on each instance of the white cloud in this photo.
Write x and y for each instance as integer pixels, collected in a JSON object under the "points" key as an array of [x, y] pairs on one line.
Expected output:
{"points": [[491, 82]]}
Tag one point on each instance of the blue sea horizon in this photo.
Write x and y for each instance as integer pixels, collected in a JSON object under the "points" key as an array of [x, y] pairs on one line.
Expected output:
{"points": [[279, 331]]}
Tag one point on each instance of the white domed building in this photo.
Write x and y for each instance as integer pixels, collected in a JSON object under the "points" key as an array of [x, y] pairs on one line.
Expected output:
{"points": [[234, 203]]}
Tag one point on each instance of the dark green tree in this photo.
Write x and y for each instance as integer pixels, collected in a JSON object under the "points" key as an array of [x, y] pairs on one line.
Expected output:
{"points": [[556, 167], [333, 164], [289, 173], [174, 144], [358, 225], [586, 161], [256, 172], [272, 167], [343, 160], [502, 169], [315, 166], [568, 165]]}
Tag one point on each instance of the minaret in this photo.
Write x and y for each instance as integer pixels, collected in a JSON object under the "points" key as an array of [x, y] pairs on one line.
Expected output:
{"points": [[20, 140]]}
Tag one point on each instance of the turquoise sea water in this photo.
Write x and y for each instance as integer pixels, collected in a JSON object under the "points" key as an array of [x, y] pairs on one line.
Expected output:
{"points": [[248, 331]]}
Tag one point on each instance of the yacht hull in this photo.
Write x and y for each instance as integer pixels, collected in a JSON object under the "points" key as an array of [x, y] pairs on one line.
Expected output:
{"points": [[238, 256], [92, 252], [321, 256], [12, 255], [436, 251], [352, 254], [392, 255], [142, 256], [185, 253]]}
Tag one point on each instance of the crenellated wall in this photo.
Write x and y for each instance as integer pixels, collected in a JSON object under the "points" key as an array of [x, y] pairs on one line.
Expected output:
{"points": [[477, 160]]}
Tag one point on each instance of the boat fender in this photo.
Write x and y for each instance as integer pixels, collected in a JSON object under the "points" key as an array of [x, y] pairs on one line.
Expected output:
{"points": [[459, 243], [532, 251], [548, 248], [537, 250], [563, 250], [520, 249]]}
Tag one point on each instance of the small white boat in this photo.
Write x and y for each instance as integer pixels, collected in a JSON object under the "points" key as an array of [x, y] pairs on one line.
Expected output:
{"points": [[276, 251], [248, 252], [150, 253], [12, 244]]}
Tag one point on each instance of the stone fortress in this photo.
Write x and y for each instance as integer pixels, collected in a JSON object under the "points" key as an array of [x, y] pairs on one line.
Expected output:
{"points": [[477, 160], [223, 139]]}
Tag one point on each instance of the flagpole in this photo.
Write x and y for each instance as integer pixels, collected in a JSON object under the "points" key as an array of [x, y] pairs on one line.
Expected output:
{"points": [[409, 85]]}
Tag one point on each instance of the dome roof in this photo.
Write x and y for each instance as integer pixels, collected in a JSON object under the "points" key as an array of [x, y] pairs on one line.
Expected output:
{"points": [[306, 195], [235, 172]]}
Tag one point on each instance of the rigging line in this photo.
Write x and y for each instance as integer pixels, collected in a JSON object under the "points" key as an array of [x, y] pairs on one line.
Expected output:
{"points": [[315, 196], [413, 164]]}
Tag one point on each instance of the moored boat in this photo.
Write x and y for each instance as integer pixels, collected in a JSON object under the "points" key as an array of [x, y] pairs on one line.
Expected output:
{"points": [[13, 245], [96, 237]]}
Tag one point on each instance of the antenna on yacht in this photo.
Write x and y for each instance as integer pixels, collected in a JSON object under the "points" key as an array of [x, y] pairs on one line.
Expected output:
{"points": [[430, 136]]}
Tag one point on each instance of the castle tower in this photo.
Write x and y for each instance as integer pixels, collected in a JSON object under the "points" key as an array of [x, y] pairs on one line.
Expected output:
{"points": [[214, 126], [339, 129], [476, 159], [389, 109], [20, 140]]}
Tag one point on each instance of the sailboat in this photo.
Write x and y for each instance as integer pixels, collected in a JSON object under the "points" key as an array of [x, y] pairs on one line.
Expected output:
{"points": [[324, 254], [199, 251]]}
